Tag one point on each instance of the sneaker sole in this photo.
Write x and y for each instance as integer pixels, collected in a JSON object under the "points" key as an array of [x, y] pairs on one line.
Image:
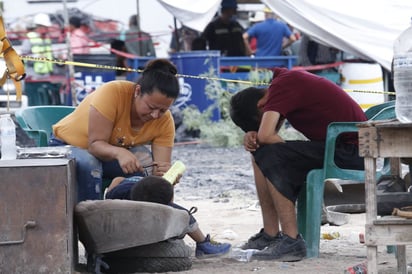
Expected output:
{"points": [[208, 256], [285, 258]]}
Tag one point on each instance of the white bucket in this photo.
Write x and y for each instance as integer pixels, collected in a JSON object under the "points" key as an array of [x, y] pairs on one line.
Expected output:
{"points": [[362, 81]]}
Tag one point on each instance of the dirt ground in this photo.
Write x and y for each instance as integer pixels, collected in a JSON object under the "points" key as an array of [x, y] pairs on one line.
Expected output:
{"points": [[219, 182]]}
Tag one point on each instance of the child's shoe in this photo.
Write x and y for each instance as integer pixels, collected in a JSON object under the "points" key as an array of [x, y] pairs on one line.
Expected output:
{"points": [[209, 248]]}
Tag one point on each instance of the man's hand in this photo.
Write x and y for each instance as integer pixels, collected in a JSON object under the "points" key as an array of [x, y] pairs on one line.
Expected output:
{"points": [[250, 141]]}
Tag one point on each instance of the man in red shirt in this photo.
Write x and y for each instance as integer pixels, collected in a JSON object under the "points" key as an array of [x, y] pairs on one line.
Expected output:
{"points": [[309, 103]]}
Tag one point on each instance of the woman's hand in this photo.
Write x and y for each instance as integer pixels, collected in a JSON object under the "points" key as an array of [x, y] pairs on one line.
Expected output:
{"points": [[128, 161], [250, 142], [160, 168]]}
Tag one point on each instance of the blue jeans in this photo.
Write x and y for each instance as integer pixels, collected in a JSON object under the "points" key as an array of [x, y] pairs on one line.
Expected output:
{"points": [[90, 170]]}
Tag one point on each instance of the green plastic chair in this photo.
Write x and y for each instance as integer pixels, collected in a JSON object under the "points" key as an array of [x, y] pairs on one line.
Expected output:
{"points": [[37, 121], [310, 201]]}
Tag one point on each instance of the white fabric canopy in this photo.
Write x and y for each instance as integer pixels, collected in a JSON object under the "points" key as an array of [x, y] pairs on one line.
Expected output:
{"points": [[195, 14], [364, 28]]}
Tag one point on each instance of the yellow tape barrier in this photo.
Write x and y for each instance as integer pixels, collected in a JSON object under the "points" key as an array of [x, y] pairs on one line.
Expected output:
{"points": [[82, 64]]}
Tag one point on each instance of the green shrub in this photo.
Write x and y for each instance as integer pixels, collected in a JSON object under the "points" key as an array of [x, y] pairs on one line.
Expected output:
{"points": [[224, 133]]}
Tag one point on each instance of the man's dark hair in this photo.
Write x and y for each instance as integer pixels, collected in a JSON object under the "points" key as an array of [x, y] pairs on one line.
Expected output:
{"points": [[153, 189], [243, 108], [75, 21]]}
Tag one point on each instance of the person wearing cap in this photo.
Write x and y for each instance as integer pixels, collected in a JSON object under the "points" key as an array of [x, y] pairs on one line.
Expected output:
{"points": [[79, 42], [259, 16], [269, 35], [38, 44], [224, 33]]}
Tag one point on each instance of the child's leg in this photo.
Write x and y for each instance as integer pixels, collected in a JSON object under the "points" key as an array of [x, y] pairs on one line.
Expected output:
{"points": [[115, 182], [205, 247]]}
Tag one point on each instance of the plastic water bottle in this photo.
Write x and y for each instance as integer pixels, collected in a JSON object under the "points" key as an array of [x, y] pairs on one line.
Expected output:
{"points": [[402, 68], [8, 137], [241, 255]]}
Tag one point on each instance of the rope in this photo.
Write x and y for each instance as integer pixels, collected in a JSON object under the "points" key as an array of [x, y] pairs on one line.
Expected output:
{"points": [[97, 66]]}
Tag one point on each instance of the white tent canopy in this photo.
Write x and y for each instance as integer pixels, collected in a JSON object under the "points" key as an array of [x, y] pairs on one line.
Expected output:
{"points": [[365, 28], [195, 14]]}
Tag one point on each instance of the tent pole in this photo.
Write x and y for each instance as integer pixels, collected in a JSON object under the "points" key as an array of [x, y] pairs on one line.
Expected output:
{"points": [[71, 95], [176, 31], [139, 32]]}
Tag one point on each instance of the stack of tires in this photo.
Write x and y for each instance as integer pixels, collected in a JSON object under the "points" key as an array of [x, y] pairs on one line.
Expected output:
{"points": [[121, 236]]}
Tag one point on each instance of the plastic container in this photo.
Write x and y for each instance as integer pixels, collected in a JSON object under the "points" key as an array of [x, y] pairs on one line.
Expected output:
{"points": [[8, 137], [402, 71], [242, 255], [136, 63], [192, 89], [361, 77], [174, 172], [89, 79]]}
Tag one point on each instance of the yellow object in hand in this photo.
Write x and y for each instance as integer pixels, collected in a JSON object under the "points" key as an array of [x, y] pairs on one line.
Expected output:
{"points": [[175, 170]]}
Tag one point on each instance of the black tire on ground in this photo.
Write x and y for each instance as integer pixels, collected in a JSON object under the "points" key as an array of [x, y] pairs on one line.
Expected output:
{"points": [[152, 265], [171, 255], [166, 249]]}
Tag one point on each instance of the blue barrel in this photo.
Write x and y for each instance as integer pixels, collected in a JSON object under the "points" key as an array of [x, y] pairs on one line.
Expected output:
{"points": [[137, 63], [88, 79], [192, 90]]}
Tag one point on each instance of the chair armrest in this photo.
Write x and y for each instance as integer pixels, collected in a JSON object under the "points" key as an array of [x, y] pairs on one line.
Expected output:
{"points": [[39, 136]]}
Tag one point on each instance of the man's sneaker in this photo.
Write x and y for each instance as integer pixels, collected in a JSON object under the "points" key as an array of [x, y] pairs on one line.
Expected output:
{"points": [[209, 248], [261, 240], [285, 250]]}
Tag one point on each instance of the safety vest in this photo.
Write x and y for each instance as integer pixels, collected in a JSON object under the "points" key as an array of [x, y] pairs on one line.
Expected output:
{"points": [[41, 48]]}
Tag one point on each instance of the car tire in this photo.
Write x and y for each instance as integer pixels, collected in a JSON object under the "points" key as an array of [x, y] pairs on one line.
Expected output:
{"points": [[170, 255]]}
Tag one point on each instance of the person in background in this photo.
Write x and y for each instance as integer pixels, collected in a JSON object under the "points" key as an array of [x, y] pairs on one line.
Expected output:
{"points": [[85, 26], [117, 48], [158, 190], [259, 16], [38, 44], [182, 39], [309, 103], [224, 33], [313, 53], [138, 42], [269, 35], [79, 42]]}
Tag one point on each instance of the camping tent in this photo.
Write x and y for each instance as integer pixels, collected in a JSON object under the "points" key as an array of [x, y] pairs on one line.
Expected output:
{"points": [[365, 28]]}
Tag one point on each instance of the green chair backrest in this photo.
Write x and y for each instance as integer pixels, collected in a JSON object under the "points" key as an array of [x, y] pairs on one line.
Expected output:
{"points": [[372, 111], [41, 118]]}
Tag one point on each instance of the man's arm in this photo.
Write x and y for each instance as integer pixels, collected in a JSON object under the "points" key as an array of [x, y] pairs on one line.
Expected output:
{"points": [[249, 51], [291, 39], [268, 129]]}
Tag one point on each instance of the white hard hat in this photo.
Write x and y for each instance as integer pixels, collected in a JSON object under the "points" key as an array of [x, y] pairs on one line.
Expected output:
{"points": [[259, 16], [42, 19]]}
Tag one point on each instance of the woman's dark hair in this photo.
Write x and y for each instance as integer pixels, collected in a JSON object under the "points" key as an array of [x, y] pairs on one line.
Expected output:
{"points": [[153, 189], [244, 111], [159, 74]]}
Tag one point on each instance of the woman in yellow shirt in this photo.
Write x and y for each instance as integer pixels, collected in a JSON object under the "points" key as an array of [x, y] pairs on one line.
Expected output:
{"points": [[111, 127]]}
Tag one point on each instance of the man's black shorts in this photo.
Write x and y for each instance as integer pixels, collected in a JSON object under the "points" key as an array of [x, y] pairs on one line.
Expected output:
{"points": [[286, 165]]}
